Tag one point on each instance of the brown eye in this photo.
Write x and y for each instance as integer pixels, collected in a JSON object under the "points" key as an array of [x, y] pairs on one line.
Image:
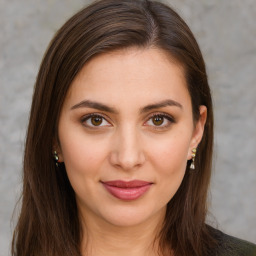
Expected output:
{"points": [[96, 120], [158, 120]]}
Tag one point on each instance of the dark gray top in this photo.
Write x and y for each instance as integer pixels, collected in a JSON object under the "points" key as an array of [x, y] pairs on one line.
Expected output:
{"points": [[231, 246]]}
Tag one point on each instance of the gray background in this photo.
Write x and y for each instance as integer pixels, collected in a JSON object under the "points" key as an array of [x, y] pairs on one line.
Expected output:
{"points": [[226, 31]]}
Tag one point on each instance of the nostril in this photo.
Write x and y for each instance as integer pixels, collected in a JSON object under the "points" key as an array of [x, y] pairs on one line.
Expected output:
{"points": [[127, 160], [126, 148]]}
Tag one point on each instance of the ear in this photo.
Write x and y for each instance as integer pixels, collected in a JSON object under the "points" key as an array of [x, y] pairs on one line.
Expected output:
{"points": [[56, 147], [198, 130]]}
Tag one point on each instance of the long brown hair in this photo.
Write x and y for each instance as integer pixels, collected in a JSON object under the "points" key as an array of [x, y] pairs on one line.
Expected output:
{"points": [[48, 222]]}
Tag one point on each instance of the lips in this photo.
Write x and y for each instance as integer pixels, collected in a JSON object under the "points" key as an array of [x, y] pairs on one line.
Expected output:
{"points": [[127, 190]]}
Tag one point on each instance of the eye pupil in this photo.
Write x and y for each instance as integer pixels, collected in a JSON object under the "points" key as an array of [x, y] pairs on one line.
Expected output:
{"points": [[158, 120], [96, 120]]}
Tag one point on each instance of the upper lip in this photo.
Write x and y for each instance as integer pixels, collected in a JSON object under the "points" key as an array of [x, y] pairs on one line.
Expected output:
{"points": [[126, 184]]}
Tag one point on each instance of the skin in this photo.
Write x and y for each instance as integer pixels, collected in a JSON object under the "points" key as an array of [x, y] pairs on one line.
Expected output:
{"points": [[127, 144]]}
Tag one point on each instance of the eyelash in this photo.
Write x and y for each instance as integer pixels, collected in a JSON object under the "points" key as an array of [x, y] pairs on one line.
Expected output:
{"points": [[169, 118], [165, 116], [87, 117]]}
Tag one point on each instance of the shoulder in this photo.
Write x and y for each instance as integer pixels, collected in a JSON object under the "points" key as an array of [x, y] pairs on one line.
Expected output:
{"points": [[232, 246]]}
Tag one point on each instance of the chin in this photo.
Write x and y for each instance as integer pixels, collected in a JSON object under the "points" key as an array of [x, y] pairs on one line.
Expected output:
{"points": [[132, 216]]}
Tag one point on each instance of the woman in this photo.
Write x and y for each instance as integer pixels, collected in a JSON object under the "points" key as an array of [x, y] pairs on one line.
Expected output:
{"points": [[119, 144]]}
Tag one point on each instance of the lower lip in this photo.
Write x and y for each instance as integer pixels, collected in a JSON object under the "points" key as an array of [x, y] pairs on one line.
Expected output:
{"points": [[127, 193]]}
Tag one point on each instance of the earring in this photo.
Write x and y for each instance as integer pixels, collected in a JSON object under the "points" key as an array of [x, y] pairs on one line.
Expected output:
{"points": [[192, 166], [56, 158]]}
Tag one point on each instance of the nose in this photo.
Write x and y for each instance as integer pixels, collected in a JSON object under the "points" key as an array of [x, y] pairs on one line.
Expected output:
{"points": [[127, 150]]}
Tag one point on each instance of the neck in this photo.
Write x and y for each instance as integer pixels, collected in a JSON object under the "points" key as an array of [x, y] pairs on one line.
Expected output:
{"points": [[102, 238]]}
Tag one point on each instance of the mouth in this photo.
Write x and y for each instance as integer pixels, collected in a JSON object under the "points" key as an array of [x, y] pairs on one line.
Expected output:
{"points": [[127, 190]]}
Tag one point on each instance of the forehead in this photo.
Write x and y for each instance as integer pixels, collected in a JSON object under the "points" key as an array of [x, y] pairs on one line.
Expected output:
{"points": [[130, 74], [143, 59]]}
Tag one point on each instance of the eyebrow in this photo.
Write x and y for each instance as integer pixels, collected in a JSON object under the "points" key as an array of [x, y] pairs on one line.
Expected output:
{"points": [[161, 104], [95, 105], [103, 107]]}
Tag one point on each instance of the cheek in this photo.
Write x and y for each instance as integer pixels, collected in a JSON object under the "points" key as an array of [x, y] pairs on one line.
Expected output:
{"points": [[171, 155], [81, 154], [83, 160], [169, 159]]}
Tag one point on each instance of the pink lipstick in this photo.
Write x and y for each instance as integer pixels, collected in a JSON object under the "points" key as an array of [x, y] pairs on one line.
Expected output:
{"points": [[127, 190]]}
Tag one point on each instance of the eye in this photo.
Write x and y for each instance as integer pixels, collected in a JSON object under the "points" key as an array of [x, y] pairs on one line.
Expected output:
{"points": [[160, 121], [95, 120]]}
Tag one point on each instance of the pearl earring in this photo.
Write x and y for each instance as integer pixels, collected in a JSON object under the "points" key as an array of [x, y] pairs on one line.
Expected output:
{"points": [[56, 158], [192, 166]]}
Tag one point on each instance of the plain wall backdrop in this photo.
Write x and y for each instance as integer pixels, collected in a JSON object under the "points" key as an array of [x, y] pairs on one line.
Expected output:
{"points": [[226, 32]]}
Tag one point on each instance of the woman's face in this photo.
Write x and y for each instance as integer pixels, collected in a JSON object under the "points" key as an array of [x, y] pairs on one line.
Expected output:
{"points": [[126, 132]]}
